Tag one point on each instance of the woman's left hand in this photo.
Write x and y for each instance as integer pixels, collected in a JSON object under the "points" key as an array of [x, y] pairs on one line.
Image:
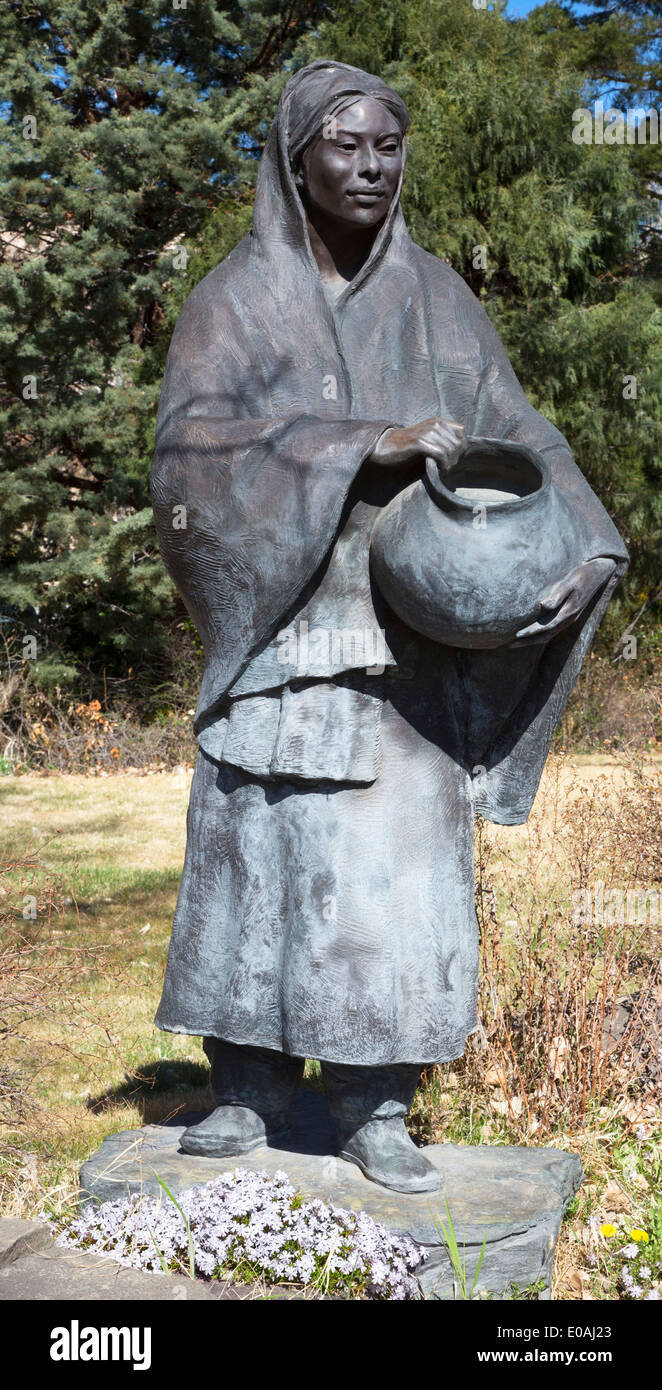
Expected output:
{"points": [[569, 596]]}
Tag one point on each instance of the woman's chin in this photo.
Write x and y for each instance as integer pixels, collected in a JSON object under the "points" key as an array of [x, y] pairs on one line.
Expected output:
{"points": [[358, 216]]}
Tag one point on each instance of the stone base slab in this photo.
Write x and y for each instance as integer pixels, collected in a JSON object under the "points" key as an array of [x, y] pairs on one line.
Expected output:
{"points": [[512, 1198]]}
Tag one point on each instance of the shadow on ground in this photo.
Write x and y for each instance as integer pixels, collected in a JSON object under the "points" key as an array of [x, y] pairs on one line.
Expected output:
{"points": [[167, 1088], [157, 1089]]}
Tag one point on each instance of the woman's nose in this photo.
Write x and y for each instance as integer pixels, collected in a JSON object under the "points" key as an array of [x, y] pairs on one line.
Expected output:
{"points": [[369, 166]]}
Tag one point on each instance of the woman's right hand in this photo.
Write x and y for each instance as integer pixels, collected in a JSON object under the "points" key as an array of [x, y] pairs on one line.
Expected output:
{"points": [[435, 438]]}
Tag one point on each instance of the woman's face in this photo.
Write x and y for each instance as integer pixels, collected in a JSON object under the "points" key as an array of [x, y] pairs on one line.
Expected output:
{"points": [[352, 170]]}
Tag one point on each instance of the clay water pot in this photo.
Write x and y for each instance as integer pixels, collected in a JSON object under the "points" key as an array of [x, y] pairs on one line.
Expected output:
{"points": [[464, 557]]}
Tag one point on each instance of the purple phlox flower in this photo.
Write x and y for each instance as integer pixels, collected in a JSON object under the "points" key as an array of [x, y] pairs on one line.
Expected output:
{"points": [[633, 1289], [245, 1217]]}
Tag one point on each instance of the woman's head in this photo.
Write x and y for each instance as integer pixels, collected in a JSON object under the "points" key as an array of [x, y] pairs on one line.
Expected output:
{"points": [[346, 142], [351, 172]]}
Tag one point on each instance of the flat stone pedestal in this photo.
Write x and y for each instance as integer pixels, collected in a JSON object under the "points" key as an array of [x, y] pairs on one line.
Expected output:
{"points": [[513, 1197]]}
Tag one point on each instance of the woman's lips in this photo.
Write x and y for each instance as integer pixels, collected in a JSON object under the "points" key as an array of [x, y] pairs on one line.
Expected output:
{"points": [[366, 194]]}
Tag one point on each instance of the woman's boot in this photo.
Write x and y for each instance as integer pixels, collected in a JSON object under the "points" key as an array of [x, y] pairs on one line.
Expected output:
{"points": [[254, 1089], [369, 1105]]}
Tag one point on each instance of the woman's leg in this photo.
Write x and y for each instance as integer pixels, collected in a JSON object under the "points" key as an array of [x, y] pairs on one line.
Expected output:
{"points": [[369, 1105], [253, 1088]]}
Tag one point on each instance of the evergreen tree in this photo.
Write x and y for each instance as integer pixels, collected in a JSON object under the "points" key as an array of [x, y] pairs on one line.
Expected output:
{"points": [[622, 49], [131, 137], [122, 126]]}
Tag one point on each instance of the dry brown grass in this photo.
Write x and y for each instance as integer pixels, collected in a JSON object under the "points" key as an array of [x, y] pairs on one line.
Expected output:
{"points": [[129, 723], [86, 1054], [563, 946], [617, 703], [115, 847], [558, 1060]]}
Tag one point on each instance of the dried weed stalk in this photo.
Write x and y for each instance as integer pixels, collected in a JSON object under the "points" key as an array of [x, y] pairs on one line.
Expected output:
{"points": [[571, 985]]}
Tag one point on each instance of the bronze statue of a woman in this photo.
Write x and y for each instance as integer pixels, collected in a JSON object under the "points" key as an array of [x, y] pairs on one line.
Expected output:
{"points": [[326, 907]]}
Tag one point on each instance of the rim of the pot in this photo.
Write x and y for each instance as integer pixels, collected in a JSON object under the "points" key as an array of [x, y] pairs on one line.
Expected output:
{"points": [[479, 444]]}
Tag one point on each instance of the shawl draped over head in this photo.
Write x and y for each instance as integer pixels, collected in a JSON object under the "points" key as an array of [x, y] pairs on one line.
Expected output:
{"points": [[318, 93], [272, 401]]}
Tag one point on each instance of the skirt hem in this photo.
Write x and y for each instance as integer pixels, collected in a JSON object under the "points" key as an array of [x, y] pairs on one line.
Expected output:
{"points": [[315, 1056]]}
